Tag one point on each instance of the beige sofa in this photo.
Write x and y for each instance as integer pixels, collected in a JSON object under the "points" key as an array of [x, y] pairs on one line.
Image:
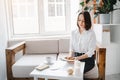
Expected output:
{"points": [[35, 52]]}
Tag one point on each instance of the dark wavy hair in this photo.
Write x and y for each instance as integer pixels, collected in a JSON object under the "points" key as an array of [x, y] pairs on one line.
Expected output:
{"points": [[87, 18]]}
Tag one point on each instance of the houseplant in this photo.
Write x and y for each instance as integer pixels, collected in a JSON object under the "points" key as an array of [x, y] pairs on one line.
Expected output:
{"points": [[99, 6]]}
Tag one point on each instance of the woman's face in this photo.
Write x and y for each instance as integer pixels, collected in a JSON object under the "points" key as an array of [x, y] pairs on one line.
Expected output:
{"points": [[81, 21]]}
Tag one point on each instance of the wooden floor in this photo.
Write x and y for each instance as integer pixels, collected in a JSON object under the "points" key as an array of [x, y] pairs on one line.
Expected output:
{"points": [[113, 77]]}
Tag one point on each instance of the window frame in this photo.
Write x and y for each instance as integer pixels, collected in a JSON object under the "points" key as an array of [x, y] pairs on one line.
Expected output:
{"points": [[42, 32]]}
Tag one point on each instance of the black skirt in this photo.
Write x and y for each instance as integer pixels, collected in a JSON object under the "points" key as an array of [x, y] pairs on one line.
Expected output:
{"points": [[89, 62]]}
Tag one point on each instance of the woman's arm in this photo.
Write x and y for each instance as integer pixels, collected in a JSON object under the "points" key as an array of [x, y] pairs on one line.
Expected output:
{"points": [[82, 57], [91, 47]]}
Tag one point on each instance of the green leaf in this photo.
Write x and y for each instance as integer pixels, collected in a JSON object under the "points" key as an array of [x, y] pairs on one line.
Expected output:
{"points": [[82, 3]]}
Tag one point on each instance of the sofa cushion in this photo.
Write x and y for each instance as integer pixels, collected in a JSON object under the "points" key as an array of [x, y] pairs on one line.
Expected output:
{"points": [[64, 45], [27, 63], [93, 73], [42, 46]]}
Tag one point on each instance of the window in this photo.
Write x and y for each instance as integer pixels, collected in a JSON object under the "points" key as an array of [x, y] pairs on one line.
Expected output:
{"points": [[38, 17], [54, 15], [25, 16]]}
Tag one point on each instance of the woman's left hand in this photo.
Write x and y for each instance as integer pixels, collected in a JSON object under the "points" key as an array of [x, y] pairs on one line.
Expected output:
{"points": [[70, 59]]}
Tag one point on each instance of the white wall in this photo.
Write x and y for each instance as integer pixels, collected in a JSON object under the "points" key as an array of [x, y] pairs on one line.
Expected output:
{"points": [[114, 50], [110, 40], [74, 13], [3, 40]]}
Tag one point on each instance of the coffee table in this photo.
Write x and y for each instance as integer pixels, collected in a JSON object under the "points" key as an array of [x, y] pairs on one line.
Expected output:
{"points": [[58, 71]]}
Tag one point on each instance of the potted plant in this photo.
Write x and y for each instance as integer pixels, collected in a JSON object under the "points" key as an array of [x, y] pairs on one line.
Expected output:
{"points": [[100, 7]]}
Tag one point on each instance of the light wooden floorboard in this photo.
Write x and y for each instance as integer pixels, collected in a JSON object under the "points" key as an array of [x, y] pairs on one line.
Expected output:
{"points": [[113, 77]]}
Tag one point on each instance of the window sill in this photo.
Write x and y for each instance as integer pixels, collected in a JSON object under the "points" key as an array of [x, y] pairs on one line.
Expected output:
{"points": [[22, 37]]}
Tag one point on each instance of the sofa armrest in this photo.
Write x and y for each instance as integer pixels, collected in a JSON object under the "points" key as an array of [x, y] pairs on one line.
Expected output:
{"points": [[16, 48], [10, 57], [101, 60]]}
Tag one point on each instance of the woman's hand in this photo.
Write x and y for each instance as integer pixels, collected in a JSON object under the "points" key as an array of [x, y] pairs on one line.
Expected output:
{"points": [[70, 59]]}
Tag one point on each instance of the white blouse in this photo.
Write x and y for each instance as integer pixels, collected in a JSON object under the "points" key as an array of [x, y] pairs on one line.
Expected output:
{"points": [[83, 43]]}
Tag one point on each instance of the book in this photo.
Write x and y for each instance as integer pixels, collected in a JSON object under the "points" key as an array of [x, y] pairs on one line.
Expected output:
{"points": [[42, 67]]}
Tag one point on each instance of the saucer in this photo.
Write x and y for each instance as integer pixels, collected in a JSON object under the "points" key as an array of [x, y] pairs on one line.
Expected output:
{"points": [[48, 63]]}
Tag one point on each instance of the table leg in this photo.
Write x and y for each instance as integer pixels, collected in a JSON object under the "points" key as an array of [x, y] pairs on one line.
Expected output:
{"points": [[35, 78], [46, 78]]}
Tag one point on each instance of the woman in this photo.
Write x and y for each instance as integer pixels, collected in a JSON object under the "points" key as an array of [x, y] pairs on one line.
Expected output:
{"points": [[83, 41]]}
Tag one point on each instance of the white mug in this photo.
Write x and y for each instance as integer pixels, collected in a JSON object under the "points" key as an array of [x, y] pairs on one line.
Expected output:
{"points": [[48, 60]]}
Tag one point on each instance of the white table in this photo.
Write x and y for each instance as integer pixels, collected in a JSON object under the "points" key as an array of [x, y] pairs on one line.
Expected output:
{"points": [[58, 71]]}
